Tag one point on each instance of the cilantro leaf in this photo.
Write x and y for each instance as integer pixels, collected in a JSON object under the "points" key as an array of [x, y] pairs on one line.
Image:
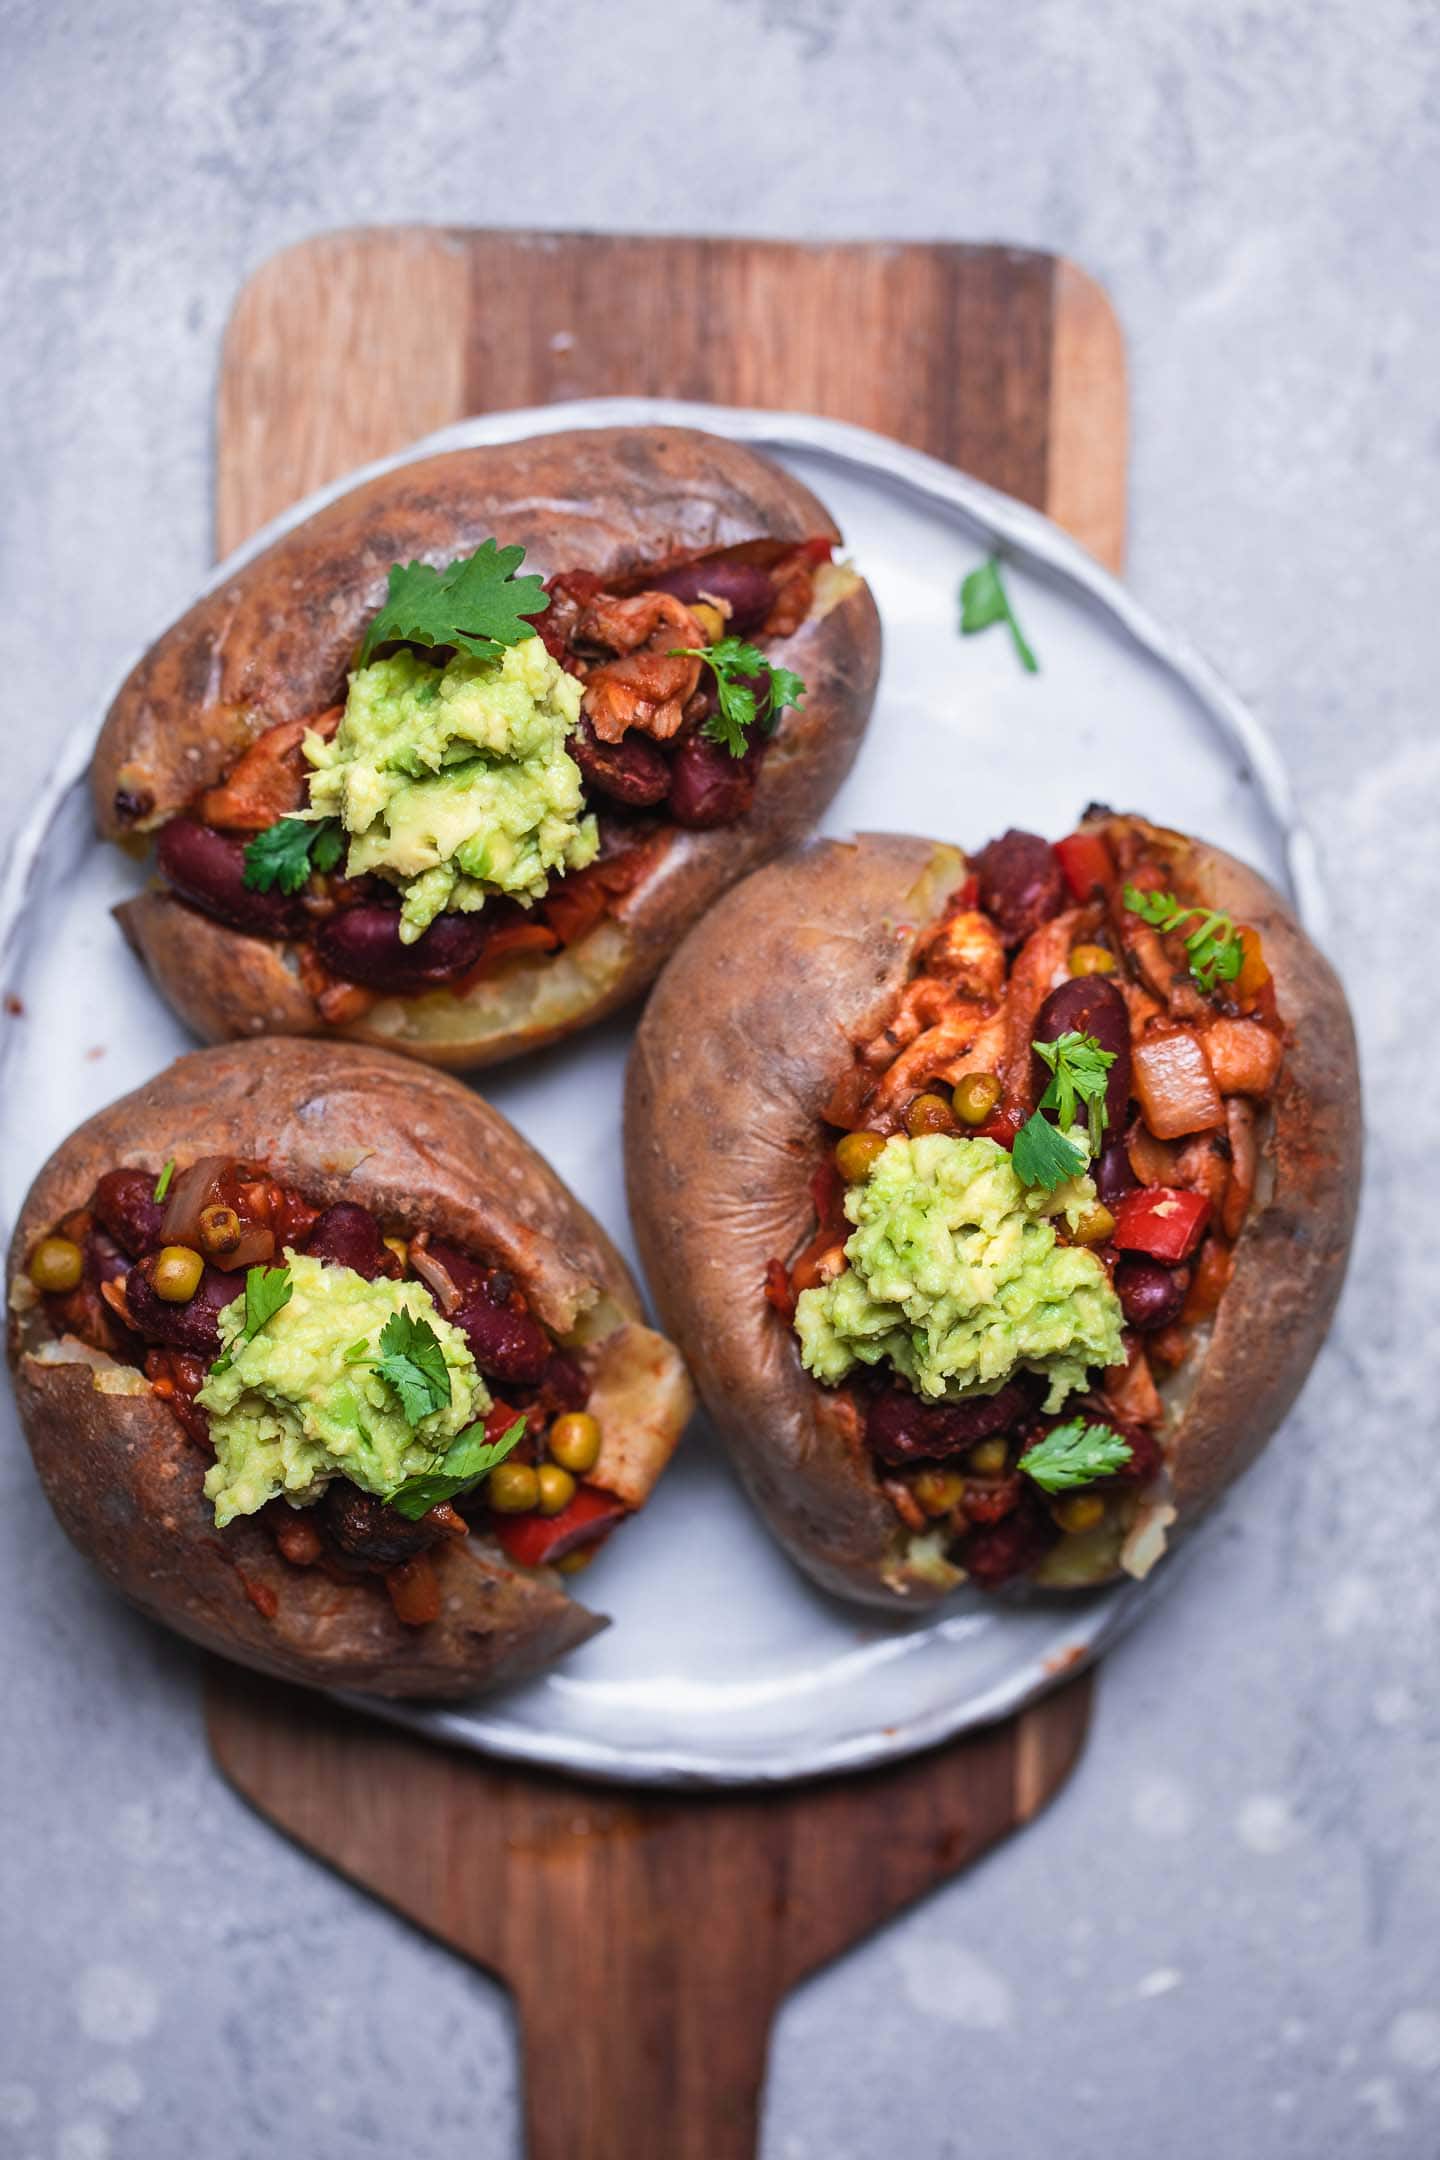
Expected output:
{"points": [[162, 1183], [1215, 952], [287, 851], [748, 691], [477, 603], [413, 1363], [1075, 1454], [1081, 1074], [1043, 1156], [983, 601], [469, 1458], [267, 1289]]}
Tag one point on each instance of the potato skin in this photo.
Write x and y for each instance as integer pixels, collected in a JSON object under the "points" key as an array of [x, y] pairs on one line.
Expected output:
{"points": [[421, 1151], [719, 1154], [275, 642]]}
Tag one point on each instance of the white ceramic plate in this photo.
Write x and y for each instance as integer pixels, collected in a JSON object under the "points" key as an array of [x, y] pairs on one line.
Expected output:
{"points": [[723, 1664]]}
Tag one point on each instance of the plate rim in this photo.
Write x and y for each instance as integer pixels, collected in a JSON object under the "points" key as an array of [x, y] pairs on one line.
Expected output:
{"points": [[1010, 527]]}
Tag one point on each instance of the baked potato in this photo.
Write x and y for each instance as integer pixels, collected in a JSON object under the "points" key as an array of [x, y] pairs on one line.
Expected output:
{"points": [[1005, 1212], [323, 1367], [694, 681]]}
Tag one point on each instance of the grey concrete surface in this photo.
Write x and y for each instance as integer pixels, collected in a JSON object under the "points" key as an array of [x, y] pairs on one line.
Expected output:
{"points": [[1225, 1936]]}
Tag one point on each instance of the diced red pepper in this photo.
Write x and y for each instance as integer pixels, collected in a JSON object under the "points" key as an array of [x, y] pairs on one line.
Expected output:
{"points": [[778, 1288], [540, 1540], [1161, 1220], [1002, 1127], [1087, 863], [818, 551]]}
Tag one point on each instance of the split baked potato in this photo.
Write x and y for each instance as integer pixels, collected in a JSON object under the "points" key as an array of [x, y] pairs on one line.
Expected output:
{"points": [[322, 1366], [998, 1205]]}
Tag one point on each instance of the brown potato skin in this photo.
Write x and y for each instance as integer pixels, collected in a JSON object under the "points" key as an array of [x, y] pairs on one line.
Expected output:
{"points": [[421, 1151], [720, 1151], [274, 644]]}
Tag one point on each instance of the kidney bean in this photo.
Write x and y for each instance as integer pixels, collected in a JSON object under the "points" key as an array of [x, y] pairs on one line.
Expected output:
{"points": [[362, 944], [192, 1326], [749, 590], [505, 1344], [1006, 1549], [125, 1203], [901, 1429], [207, 868], [565, 1386], [708, 787], [635, 771], [1088, 1005], [1021, 883], [371, 1534], [1151, 1295], [349, 1236], [1111, 1170]]}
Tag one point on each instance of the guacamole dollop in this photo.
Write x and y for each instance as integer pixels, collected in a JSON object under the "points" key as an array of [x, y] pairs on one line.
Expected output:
{"points": [[301, 1403], [453, 781], [956, 1276]]}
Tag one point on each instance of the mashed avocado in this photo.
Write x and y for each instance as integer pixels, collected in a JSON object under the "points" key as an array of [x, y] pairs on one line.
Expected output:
{"points": [[301, 1403], [956, 1277], [454, 782]]}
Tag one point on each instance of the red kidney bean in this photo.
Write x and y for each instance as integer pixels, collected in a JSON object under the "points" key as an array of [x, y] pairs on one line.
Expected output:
{"points": [[192, 1326], [635, 771], [708, 787], [749, 590], [207, 868], [1006, 1549], [372, 1535], [1111, 1169], [125, 1203], [1088, 1005], [362, 945], [1150, 1295], [565, 1386], [349, 1236], [505, 1344], [467, 1275], [1021, 883], [901, 1429]]}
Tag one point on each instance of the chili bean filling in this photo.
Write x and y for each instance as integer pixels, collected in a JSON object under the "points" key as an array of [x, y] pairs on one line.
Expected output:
{"points": [[220, 1217], [647, 767], [1037, 942]]}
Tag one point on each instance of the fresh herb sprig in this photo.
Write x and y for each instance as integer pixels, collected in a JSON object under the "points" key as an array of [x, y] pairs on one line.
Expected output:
{"points": [[412, 1362], [469, 1458], [1043, 1156], [748, 691], [162, 1183], [267, 1291], [1080, 1073], [983, 601], [476, 604], [1075, 1454], [1215, 951], [287, 851]]}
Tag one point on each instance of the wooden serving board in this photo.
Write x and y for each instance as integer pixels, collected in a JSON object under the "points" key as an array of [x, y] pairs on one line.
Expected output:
{"points": [[649, 1938]]}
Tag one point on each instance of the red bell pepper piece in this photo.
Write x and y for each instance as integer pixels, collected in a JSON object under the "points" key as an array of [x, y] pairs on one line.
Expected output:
{"points": [[1087, 864], [1161, 1220], [540, 1540], [1002, 1127]]}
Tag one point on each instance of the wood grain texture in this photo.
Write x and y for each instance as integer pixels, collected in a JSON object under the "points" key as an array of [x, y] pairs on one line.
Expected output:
{"points": [[648, 1938]]}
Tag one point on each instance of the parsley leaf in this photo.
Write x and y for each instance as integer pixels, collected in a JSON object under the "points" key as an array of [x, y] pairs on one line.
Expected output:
{"points": [[413, 1362], [983, 601], [162, 1183], [1043, 1156], [477, 603], [287, 851], [267, 1289], [1075, 1454], [1215, 952], [748, 691], [469, 1458], [1081, 1074]]}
